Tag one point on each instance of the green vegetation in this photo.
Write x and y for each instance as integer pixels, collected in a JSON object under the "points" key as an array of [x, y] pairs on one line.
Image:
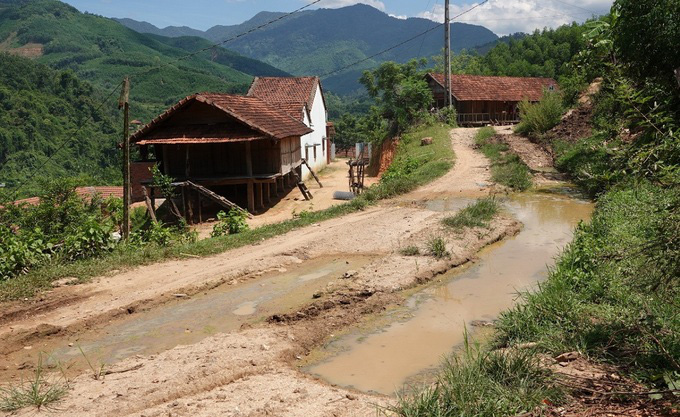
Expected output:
{"points": [[506, 167], [230, 223], [410, 251], [64, 228], [613, 294], [37, 392], [401, 99], [538, 118], [40, 110], [477, 214], [479, 382], [103, 51], [436, 247], [435, 161]]}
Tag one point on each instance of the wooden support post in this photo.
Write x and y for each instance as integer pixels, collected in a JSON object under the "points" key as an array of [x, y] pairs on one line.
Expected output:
{"points": [[184, 203], [267, 193], [251, 197], [149, 205], [200, 209], [279, 186], [260, 199], [153, 198]]}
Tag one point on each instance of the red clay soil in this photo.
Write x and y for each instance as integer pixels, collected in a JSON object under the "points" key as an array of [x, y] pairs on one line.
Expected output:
{"points": [[600, 390]]}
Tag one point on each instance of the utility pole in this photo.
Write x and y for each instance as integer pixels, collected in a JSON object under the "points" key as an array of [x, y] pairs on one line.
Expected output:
{"points": [[447, 53], [124, 103]]}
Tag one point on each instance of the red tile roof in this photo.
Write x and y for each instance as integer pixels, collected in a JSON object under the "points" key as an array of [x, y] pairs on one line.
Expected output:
{"points": [[84, 192], [485, 88], [277, 90], [253, 112]]}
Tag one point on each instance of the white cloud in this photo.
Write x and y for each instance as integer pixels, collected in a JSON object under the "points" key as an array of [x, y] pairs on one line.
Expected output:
{"points": [[400, 16], [334, 4], [510, 16]]}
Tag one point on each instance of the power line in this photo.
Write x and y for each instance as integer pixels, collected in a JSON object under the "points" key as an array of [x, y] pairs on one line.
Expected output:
{"points": [[182, 58], [578, 7], [31, 177], [402, 43], [233, 38]]}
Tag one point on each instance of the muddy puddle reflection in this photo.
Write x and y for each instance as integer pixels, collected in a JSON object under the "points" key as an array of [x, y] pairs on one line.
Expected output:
{"points": [[411, 348], [221, 310]]}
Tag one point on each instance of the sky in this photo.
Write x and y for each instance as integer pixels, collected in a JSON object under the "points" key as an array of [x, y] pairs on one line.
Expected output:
{"points": [[501, 16]]}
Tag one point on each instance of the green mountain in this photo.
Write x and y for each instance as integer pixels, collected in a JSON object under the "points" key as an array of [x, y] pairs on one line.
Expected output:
{"points": [[103, 51], [319, 42], [40, 109]]}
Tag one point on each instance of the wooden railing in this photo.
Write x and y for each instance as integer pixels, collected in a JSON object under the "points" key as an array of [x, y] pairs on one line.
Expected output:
{"points": [[481, 118]]}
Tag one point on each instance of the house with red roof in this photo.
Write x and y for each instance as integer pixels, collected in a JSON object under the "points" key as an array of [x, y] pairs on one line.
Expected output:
{"points": [[302, 98], [481, 100], [243, 148]]}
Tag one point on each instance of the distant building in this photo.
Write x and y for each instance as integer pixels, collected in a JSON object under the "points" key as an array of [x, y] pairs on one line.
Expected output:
{"points": [[303, 99], [481, 100]]}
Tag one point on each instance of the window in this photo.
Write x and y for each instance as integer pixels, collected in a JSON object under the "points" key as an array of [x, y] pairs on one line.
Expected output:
{"points": [[306, 153], [315, 152]]}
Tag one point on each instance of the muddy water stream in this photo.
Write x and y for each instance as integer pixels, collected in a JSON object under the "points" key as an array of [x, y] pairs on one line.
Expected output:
{"points": [[431, 325], [221, 310]]}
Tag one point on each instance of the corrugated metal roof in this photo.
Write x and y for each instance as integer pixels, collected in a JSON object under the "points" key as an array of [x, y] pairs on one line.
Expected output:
{"points": [[485, 88], [253, 112]]}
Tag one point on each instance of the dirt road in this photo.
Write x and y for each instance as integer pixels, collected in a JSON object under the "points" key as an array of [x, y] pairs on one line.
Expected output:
{"points": [[251, 371]]}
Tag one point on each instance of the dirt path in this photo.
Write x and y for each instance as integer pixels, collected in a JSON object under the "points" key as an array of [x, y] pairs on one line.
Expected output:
{"points": [[251, 372]]}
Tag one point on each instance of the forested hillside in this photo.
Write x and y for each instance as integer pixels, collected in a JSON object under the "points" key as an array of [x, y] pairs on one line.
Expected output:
{"points": [[321, 41], [40, 109], [102, 51]]}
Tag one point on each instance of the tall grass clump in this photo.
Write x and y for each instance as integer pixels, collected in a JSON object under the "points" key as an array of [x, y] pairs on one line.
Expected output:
{"points": [[480, 382], [38, 392], [506, 168], [614, 293], [477, 214], [537, 118]]}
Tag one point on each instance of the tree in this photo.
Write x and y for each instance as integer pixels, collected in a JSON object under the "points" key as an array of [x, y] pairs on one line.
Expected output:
{"points": [[647, 35], [400, 91]]}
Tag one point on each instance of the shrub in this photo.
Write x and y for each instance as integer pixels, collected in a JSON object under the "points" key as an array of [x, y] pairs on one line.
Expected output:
{"points": [[436, 246], [448, 115], [540, 117], [89, 239], [230, 223]]}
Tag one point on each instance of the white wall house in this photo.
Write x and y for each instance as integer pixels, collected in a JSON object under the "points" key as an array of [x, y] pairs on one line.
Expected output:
{"points": [[302, 98]]}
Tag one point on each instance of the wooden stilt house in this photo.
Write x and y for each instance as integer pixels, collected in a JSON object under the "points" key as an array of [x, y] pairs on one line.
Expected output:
{"points": [[237, 147], [481, 100]]}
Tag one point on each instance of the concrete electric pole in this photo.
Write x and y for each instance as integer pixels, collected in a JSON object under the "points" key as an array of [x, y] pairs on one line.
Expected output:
{"points": [[124, 103], [447, 53]]}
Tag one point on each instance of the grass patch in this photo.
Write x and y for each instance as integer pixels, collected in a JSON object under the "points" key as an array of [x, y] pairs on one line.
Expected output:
{"points": [[506, 168], [436, 247], [37, 392], [477, 214], [614, 292], [433, 162], [410, 251], [483, 383]]}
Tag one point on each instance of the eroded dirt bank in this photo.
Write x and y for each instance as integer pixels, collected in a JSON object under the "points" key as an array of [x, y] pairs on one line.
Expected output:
{"points": [[251, 371]]}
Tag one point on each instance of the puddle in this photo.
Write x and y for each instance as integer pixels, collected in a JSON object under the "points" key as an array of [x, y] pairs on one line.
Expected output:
{"points": [[221, 310], [402, 351]]}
